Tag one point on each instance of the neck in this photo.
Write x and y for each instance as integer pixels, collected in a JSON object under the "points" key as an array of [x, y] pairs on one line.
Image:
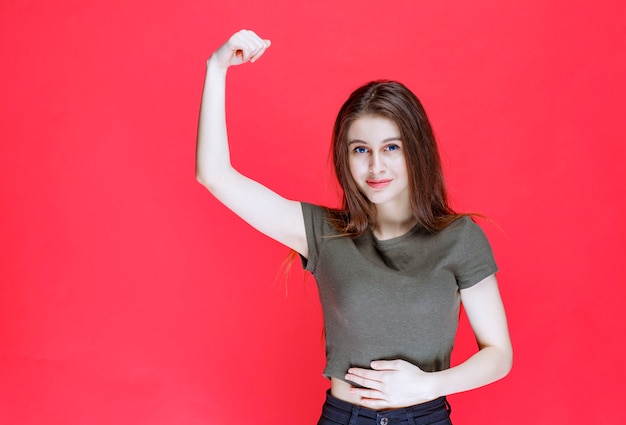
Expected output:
{"points": [[391, 224]]}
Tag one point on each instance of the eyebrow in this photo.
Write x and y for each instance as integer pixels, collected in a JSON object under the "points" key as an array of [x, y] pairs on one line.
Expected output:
{"points": [[389, 139]]}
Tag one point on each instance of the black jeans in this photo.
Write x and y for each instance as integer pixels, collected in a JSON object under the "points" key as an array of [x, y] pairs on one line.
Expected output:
{"points": [[339, 412]]}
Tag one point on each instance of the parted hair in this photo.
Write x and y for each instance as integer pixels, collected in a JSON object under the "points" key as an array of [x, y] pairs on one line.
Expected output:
{"points": [[428, 198]]}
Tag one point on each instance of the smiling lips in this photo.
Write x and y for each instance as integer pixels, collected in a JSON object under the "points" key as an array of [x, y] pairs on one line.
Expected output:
{"points": [[378, 184]]}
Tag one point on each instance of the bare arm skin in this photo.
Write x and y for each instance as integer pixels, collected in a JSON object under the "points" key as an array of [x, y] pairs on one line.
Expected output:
{"points": [[271, 214]]}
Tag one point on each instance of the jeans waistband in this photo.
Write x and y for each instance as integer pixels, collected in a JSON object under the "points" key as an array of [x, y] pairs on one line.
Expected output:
{"points": [[436, 407]]}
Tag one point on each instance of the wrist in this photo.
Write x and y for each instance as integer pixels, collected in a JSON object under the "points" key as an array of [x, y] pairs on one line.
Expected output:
{"points": [[214, 66], [436, 384]]}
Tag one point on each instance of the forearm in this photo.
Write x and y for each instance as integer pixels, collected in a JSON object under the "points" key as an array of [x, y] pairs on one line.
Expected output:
{"points": [[486, 366], [485, 311], [398, 383], [212, 153]]}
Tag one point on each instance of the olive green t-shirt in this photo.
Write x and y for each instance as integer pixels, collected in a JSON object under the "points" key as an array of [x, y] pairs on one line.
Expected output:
{"points": [[396, 298]]}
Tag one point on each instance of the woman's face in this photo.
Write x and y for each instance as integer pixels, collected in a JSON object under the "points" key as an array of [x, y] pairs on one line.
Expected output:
{"points": [[376, 161]]}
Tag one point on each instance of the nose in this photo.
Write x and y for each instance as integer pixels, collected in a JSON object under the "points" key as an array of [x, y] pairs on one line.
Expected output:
{"points": [[377, 164]]}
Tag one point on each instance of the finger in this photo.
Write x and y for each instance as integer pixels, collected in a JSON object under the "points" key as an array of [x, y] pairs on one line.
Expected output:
{"points": [[365, 373], [367, 393], [256, 55], [239, 47], [386, 364], [245, 44], [255, 42], [364, 382], [374, 403]]}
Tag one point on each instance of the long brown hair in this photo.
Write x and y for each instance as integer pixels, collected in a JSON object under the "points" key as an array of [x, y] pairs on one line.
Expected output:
{"points": [[428, 197]]}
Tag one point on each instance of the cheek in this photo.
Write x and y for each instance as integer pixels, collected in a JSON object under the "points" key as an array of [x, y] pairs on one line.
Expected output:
{"points": [[405, 172], [400, 166], [353, 167]]}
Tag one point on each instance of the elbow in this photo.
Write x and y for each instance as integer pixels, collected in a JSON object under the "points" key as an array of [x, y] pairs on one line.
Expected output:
{"points": [[501, 360], [215, 177], [200, 178], [212, 171], [506, 362], [205, 180], [506, 369], [213, 180], [203, 177]]}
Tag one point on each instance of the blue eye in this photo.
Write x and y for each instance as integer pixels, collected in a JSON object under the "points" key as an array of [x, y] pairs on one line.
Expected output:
{"points": [[360, 149], [392, 147]]}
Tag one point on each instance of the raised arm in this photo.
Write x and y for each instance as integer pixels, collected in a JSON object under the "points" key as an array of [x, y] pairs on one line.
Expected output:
{"points": [[271, 214]]}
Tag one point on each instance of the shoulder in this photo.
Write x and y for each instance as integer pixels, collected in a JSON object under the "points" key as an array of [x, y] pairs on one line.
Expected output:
{"points": [[311, 209], [469, 235], [472, 251], [318, 220], [464, 221], [314, 214], [318, 229], [463, 228]]}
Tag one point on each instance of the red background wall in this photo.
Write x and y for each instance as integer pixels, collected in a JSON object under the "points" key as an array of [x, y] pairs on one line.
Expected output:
{"points": [[128, 295]]}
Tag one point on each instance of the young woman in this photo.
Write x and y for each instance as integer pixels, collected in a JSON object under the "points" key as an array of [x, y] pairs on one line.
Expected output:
{"points": [[392, 265]]}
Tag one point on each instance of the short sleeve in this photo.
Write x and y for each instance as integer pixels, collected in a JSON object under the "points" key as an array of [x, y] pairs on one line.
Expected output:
{"points": [[476, 260], [315, 224]]}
